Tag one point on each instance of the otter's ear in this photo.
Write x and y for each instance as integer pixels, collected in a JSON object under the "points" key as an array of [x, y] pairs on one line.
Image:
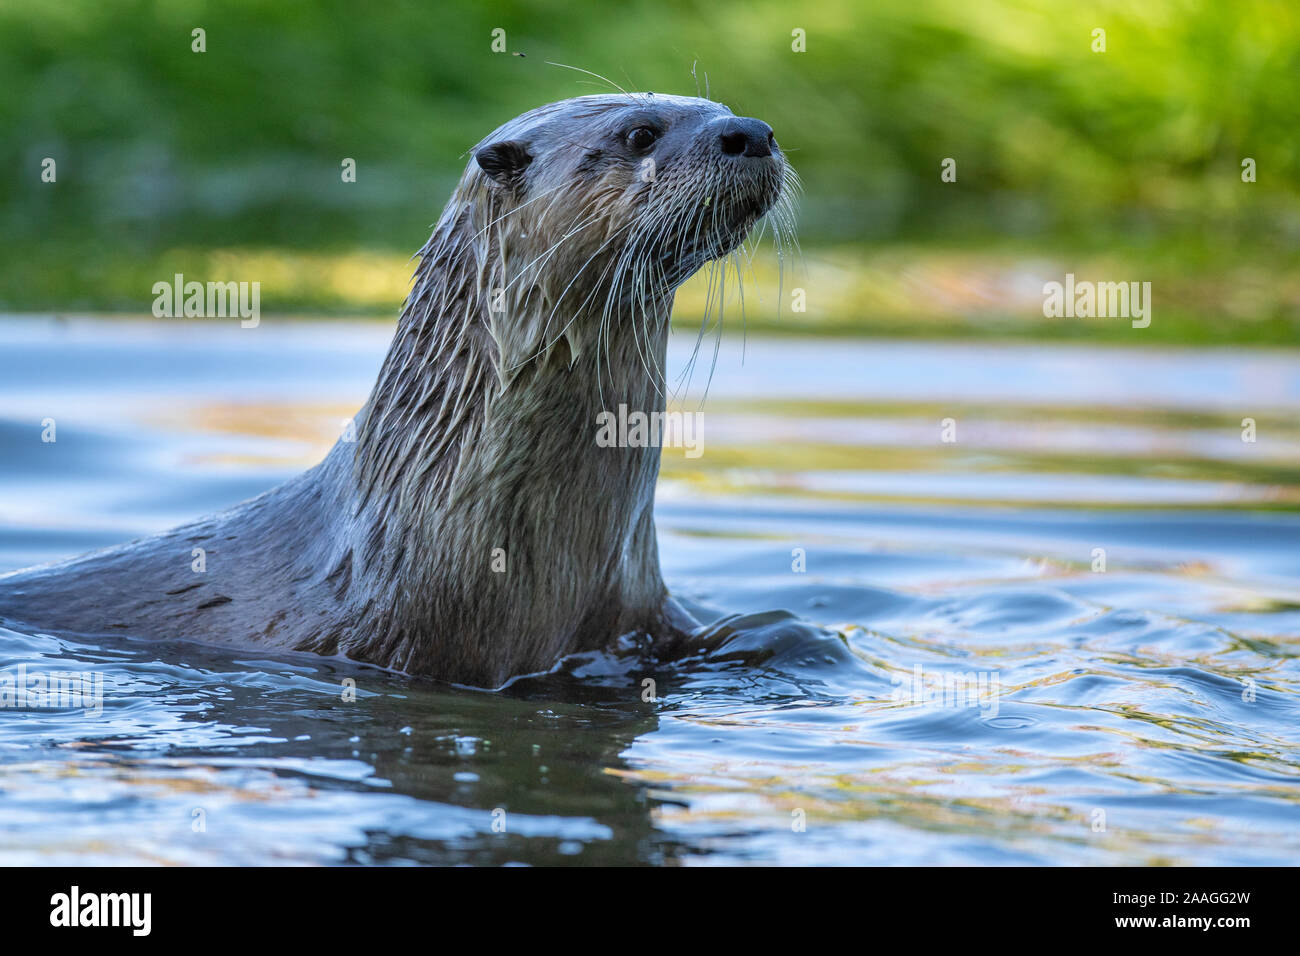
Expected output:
{"points": [[504, 162]]}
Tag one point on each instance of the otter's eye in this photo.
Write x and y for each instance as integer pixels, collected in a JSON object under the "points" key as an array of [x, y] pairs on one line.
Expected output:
{"points": [[642, 137]]}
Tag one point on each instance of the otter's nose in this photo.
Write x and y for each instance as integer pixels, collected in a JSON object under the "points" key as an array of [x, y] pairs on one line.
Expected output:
{"points": [[741, 135]]}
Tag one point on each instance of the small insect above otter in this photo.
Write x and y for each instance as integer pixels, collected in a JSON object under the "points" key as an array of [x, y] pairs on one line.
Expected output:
{"points": [[473, 528]]}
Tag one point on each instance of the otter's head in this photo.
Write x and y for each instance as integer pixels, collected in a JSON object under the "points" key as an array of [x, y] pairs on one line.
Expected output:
{"points": [[591, 204]]}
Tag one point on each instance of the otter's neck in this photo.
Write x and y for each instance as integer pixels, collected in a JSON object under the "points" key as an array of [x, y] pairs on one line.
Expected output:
{"points": [[482, 495]]}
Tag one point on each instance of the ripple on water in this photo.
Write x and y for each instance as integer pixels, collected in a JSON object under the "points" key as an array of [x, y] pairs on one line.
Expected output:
{"points": [[907, 655]]}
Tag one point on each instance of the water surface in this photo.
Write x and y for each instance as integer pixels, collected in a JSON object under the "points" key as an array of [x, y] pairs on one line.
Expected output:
{"points": [[917, 656]]}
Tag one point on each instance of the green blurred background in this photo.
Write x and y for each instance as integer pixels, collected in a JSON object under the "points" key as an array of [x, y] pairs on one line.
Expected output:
{"points": [[1122, 165]]}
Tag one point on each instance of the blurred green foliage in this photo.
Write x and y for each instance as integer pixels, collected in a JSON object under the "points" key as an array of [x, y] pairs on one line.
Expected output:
{"points": [[1059, 148]]}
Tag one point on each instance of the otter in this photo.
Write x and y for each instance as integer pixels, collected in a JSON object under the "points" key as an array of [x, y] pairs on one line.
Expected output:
{"points": [[471, 529]]}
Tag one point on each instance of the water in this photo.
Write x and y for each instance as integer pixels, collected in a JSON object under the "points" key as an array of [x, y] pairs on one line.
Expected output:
{"points": [[1147, 713]]}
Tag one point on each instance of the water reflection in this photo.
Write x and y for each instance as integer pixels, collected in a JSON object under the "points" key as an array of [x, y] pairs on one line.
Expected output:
{"points": [[1140, 711]]}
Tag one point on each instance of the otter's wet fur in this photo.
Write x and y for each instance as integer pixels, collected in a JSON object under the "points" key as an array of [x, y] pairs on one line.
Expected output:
{"points": [[474, 530]]}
